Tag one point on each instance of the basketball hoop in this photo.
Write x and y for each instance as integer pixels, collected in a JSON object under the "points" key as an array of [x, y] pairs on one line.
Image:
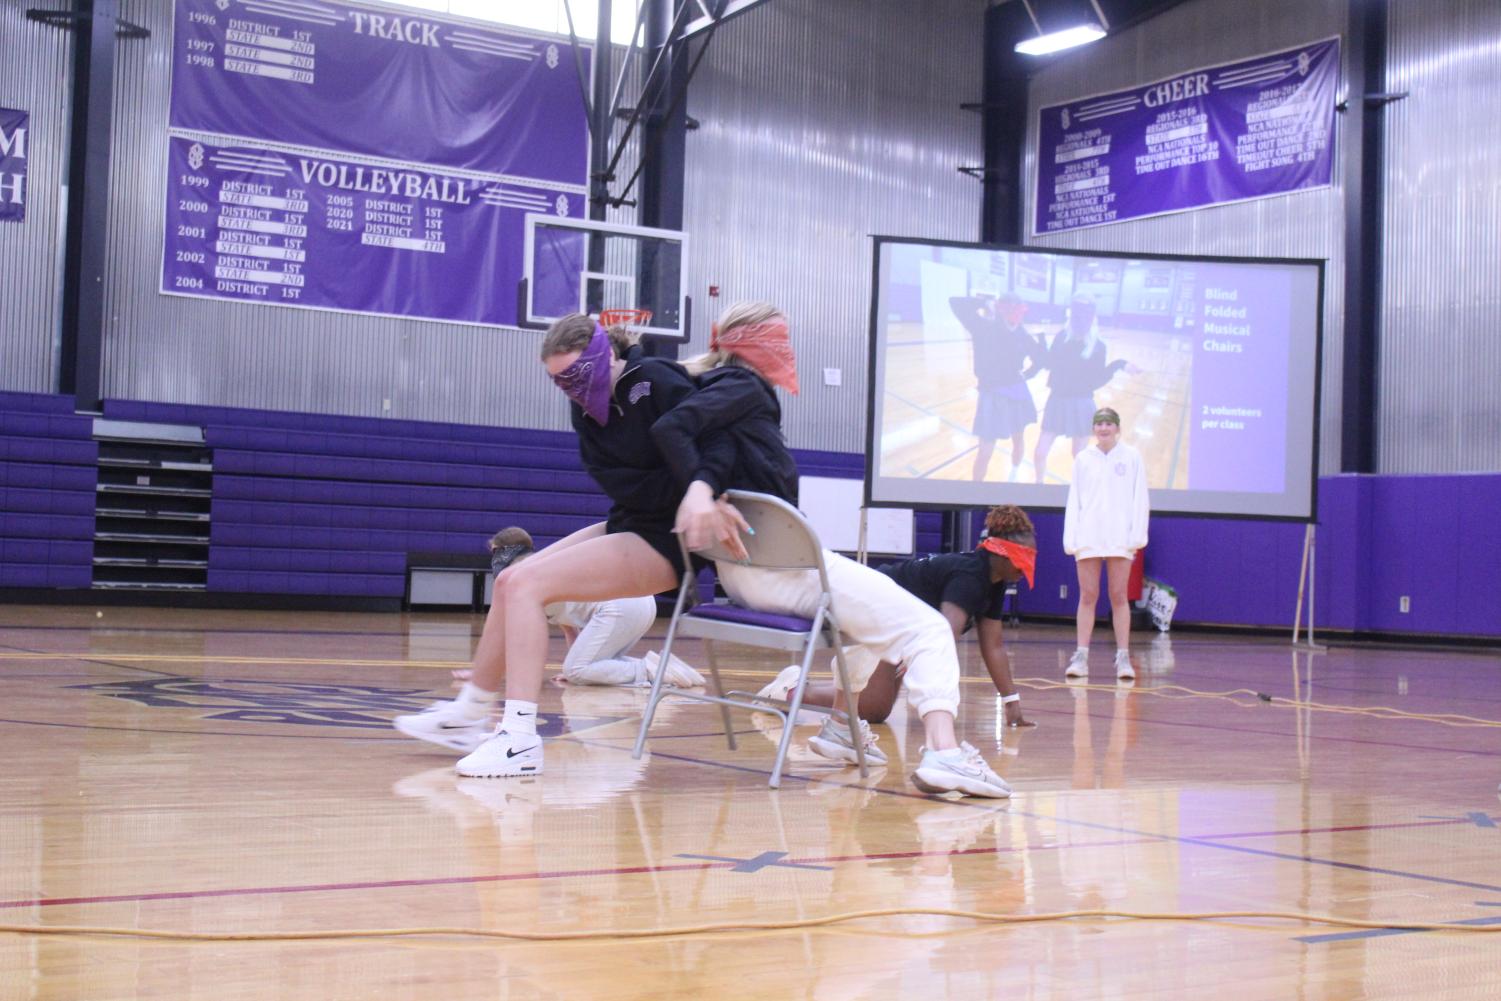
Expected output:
{"points": [[624, 317]]}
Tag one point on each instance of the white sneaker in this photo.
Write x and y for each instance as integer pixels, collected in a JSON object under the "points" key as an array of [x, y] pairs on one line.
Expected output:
{"points": [[1078, 665], [504, 754], [679, 674], [833, 741], [1123, 669], [445, 724], [965, 771], [781, 688]]}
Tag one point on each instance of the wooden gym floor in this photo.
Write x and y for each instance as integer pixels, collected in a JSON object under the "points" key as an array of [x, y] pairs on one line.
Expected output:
{"points": [[234, 772]]}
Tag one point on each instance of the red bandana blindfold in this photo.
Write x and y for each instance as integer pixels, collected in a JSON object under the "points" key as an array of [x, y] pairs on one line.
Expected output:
{"points": [[766, 347], [1024, 558]]}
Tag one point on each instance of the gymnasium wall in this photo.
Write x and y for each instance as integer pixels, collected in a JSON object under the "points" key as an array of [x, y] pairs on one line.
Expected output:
{"points": [[1440, 353], [823, 122], [35, 75], [1307, 224], [201, 351]]}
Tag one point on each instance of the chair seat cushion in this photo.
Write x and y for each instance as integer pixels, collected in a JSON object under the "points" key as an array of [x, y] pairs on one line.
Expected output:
{"points": [[749, 617]]}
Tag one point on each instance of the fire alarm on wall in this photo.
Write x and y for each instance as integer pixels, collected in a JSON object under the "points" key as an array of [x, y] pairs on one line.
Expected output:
{"points": [[713, 291]]}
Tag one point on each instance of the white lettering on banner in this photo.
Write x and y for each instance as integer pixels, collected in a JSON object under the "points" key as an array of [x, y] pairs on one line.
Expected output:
{"points": [[381, 182], [15, 186], [395, 29], [1177, 90], [13, 144]]}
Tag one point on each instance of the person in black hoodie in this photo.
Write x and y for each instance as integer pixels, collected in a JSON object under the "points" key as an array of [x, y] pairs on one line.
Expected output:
{"points": [[751, 352], [1077, 367], [617, 395], [1000, 350]]}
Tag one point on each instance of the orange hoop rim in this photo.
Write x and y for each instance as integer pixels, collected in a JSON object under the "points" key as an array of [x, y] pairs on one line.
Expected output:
{"points": [[624, 317]]}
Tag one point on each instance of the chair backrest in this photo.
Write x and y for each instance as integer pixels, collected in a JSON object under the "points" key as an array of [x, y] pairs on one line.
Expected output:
{"points": [[783, 539]]}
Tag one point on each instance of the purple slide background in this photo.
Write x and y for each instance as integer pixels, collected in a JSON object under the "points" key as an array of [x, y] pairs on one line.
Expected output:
{"points": [[13, 164], [416, 86], [473, 279], [1256, 128], [1240, 371]]}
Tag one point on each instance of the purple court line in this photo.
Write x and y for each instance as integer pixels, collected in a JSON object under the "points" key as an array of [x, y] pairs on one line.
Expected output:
{"points": [[1202, 842], [1275, 733]]}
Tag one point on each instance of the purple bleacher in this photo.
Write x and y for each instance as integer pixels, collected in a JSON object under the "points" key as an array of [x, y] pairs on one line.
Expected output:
{"points": [[38, 403], [722, 612], [335, 561], [333, 585], [69, 452], [19, 500], [290, 490], [47, 551], [45, 526], [39, 476], [388, 447], [40, 575], [21, 424], [396, 471]]}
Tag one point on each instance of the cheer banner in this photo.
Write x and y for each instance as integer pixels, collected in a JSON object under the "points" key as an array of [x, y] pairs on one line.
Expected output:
{"points": [[262, 224], [14, 129], [1218, 134]]}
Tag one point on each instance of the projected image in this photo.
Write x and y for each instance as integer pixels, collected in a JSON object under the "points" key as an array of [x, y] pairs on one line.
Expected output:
{"points": [[990, 364]]}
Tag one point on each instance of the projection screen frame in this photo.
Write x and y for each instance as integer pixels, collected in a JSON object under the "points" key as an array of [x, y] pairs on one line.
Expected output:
{"points": [[879, 241]]}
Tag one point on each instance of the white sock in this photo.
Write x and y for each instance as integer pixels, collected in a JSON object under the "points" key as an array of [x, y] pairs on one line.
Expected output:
{"points": [[519, 717], [1084, 650], [474, 702], [951, 754]]}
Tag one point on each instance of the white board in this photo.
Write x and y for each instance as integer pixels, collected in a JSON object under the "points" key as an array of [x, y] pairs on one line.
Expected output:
{"points": [[833, 506]]}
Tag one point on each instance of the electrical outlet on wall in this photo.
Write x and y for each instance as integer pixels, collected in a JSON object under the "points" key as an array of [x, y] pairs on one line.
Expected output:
{"points": [[1404, 604], [1063, 590]]}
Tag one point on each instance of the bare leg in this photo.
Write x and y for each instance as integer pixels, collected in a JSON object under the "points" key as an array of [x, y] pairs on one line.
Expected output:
{"points": [[1079, 444], [876, 699], [1040, 454], [489, 654], [1089, 598], [597, 569], [1018, 449], [982, 458], [1117, 575]]}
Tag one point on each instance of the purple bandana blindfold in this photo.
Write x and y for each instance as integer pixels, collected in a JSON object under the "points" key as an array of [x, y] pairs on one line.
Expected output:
{"points": [[587, 381]]}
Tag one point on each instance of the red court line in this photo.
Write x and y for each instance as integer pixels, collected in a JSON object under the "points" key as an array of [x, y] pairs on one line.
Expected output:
{"points": [[641, 869]]}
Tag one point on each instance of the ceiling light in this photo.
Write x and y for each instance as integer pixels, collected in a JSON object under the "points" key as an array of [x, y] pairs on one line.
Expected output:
{"points": [[1057, 41]]}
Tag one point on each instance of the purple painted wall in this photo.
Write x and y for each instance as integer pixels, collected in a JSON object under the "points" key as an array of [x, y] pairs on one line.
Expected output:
{"points": [[1435, 539]]}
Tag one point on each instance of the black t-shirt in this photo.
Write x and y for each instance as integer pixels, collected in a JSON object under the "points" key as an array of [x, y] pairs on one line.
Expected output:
{"points": [[960, 578]]}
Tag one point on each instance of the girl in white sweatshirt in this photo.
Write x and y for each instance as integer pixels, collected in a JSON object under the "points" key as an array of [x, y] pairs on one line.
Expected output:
{"points": [[1105, 522]]}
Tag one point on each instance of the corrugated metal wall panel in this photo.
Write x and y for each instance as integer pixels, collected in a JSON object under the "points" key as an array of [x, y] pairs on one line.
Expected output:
{"points": [[1307, 224], [1440, 355], [823, 122], [36, 74], [202, 351]]}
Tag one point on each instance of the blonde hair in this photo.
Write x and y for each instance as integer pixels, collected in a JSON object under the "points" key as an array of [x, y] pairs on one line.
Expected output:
{"points": [[574, 332], [740, 314]]}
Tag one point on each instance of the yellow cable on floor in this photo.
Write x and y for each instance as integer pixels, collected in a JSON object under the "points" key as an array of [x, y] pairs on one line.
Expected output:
{"points": [[1237, 695], [733, 926]]}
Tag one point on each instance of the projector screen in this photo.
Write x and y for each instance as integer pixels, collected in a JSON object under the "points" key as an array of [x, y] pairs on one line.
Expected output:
{"points": [[980, 352]]}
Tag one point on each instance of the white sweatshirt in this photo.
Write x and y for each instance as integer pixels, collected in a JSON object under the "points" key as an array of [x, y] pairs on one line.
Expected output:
{"points": [[1107, 508]]}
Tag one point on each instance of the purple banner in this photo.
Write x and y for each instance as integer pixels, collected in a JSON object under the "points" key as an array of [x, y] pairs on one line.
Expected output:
{"points": [[1238, 406], [14, 130], [332, 232], [1218, 134], [407, 85]]}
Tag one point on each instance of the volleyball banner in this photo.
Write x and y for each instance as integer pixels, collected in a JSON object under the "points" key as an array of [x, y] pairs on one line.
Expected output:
{"points": [[14, 127], [408, 85], [262, 224], [1228, 133]]}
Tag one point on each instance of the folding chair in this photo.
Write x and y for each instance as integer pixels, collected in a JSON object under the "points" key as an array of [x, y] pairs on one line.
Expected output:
{"points": [[784, 541]]}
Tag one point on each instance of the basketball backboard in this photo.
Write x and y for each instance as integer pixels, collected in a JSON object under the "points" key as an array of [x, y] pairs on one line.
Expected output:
{"points": [[584, 266]]}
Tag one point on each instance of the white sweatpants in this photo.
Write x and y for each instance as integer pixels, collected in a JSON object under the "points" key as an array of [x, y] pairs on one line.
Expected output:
{"points": [[886, 621], [597, 655]]}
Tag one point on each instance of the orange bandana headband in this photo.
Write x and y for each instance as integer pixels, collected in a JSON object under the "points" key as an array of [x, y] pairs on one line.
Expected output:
{"points": [[765, 347], [1024, 558]]}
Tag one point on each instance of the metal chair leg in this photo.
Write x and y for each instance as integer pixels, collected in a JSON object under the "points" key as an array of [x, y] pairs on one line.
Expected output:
{"points": [[851, 699], [657, 682], [724, 710]]}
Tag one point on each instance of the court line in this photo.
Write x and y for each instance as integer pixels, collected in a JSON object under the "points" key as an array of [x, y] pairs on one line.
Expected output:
{"points": [[1139, 838], [1177, 838]]}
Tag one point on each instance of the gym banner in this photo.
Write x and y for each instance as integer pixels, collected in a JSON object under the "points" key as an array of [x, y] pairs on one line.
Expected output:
{"points": [[1218, 134], [273, 225], [403, 84], [14, 126]]}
